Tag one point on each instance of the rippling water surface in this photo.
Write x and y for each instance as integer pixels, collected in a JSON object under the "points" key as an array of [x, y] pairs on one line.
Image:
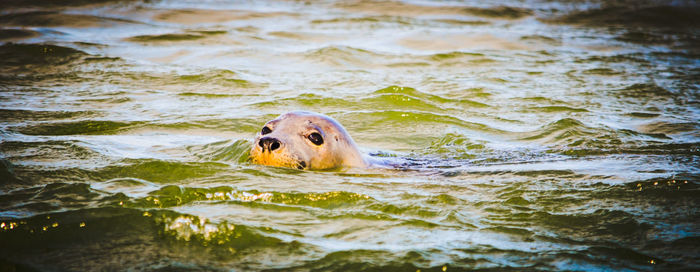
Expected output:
{"points": [[532, 135]]}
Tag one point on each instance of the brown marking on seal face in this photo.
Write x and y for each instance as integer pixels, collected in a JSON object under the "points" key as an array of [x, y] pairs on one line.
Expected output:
{"points": [[303, 140]]}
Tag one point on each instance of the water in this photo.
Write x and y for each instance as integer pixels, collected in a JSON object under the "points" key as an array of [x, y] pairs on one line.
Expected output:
{"points": [[533, 135]]}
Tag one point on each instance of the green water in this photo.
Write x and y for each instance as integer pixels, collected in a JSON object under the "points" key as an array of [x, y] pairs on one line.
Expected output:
{"points": [[529, 135]]}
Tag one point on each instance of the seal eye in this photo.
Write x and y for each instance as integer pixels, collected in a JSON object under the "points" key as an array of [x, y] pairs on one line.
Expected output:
{"points": [[265, 130], [315, 138]]}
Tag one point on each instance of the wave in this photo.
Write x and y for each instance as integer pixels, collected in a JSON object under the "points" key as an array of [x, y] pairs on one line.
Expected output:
{"points": [[428, 123], [399, 101], [345, 56], [51, 64], [309, 101], [57, 126], [56, 4], [193, 16], [395, 8], [151, 170], [56, 19], [142, 237], [7, 174], [12, 54], [50, 152], [17, 34], [668, 128], [557, 109], [160, 171], [455, 146], [172, 195], [157, 223], [370, 20], [41, 115], [632, 16], [230, 150], [571, 133], [86, 127], [392, 97], [500, 12], [459, 58], [176, 37], [165, 38], [431, 98], [644, 91]]}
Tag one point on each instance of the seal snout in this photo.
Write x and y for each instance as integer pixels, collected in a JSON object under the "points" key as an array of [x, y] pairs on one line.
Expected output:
{"points": [[268, 143]]}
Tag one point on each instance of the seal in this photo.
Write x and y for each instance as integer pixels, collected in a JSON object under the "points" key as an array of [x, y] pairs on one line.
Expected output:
{"points": [[305, 140]]}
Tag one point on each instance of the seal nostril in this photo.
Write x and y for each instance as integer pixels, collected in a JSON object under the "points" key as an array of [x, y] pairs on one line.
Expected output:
{"points": [[269, 143], [302, 165], [274, 145]]}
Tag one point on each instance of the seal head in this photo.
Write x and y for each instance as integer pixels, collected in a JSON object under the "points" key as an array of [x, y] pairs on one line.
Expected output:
{"points": [[305, 140]]}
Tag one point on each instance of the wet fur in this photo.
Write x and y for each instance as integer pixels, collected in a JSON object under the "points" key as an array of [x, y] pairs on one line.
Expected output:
{"points": [[296, 151]]}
